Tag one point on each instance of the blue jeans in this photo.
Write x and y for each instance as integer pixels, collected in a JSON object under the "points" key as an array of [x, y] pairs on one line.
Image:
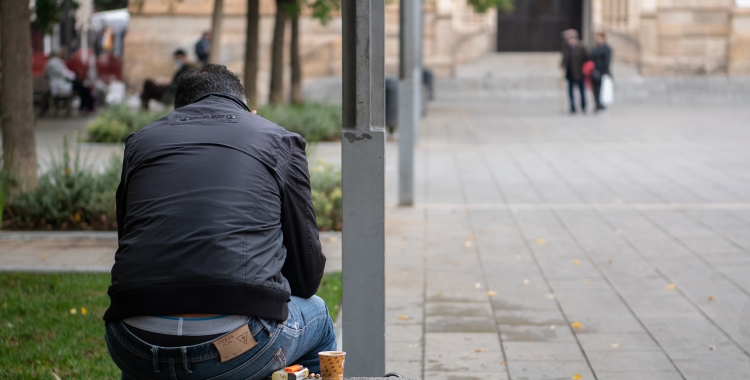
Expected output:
{"points": [[307, 331], [572, 83]]}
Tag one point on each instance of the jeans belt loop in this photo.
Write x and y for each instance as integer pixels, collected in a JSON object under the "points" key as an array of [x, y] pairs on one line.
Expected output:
{"points": [[155, 358], [266, 326], [185, 360]]}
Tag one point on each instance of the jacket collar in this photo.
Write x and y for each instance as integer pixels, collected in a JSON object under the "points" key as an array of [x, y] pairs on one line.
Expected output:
{"points": [[225, 96]]}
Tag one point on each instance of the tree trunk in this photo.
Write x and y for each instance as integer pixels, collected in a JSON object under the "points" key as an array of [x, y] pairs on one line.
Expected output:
{"points": [[251, 53], [276, 94], [19, 143], [297, 96], [216, 19]]}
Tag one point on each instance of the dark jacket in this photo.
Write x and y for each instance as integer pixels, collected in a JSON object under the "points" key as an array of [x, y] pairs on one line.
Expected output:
{"points": [[602, 57], [214, 216], [573, 59]]}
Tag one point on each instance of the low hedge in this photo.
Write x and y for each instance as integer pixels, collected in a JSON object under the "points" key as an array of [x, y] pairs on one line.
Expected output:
{"points": [[313, 121], [72, 196]]}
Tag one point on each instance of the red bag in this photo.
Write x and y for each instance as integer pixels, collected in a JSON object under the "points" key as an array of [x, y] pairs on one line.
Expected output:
{"points": [[587, 68]]}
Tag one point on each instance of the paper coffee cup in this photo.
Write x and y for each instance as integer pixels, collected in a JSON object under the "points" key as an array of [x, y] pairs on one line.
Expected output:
{"points": [[332, 365]]}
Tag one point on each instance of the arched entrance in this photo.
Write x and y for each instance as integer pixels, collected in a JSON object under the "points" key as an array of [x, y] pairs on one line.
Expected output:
{"points": [[535, 25]]}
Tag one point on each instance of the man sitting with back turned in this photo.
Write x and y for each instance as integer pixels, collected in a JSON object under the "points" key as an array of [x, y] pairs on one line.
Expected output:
{"points": [[219, 257]]}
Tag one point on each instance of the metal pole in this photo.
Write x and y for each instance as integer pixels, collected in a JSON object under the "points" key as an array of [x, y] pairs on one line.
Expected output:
{"points": [[410, 79], [586, 27], [363, 182]]}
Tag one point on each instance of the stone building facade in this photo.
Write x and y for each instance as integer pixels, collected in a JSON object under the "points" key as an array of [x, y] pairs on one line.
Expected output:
{"points": [[682, 37], [453, 34]]}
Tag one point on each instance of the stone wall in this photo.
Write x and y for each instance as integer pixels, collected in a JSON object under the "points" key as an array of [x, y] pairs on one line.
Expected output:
{"points": [[739, 42]]}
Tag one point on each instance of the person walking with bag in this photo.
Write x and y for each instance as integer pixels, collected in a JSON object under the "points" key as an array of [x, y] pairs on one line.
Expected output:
{"points": [[602, 57], [574, 56]]}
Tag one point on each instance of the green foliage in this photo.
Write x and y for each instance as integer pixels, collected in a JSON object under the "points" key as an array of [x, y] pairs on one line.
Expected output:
{"points": [[482, 6], [330, 291], [48, 13], [322, 9], [39, 335], [70, 196], [313, 121], [325, 180], [115, 123], [108, 5]]}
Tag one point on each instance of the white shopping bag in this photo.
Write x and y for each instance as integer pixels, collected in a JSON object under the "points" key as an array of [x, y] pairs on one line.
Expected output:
{"points": [[607, 93]]}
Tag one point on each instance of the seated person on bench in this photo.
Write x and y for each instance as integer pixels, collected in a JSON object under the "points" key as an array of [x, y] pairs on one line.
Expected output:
{"points": [[218, 260], [63, 81], [160, 89]]}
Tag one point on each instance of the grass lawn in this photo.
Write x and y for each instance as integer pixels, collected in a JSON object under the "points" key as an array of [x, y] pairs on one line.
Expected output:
{"points": [[53, 323]]}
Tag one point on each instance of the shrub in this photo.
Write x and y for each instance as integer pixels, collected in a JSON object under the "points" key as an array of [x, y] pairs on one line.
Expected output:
{"points": [[325, 180], [115, 123], [74, 196], [313, 121], [70, 196]]}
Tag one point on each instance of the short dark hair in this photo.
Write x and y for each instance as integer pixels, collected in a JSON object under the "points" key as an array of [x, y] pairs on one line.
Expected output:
{"points": [[179, 52], [193, 84]]}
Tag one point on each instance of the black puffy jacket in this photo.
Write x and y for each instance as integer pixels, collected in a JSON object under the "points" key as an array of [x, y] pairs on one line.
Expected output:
{"points": [[214, 216]]}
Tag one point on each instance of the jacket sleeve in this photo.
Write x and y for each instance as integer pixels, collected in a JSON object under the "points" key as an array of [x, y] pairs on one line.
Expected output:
{"points": [[305, 260]]}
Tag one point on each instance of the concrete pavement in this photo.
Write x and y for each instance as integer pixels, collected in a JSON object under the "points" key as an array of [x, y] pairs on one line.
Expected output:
{"points": [[549, 246]]}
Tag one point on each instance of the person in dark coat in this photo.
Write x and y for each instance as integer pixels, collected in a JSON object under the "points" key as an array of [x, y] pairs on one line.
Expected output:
{"points": [[574, 55], [203, 48], [161, 90], [602, 57]]}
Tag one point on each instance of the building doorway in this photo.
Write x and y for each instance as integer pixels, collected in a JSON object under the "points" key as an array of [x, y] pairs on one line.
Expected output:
{"points": [[535, 25]]}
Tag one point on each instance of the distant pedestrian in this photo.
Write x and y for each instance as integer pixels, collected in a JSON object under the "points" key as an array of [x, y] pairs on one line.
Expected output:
{"points": [[203, 48], [602, 57], [162, 90], [574, 55]]}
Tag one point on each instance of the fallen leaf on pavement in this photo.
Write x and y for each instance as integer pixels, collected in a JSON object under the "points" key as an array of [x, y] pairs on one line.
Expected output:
{"points": [[576, 262], [467, 244], [541, 241], [479, 350], [502, 363], [403, 317], [677, 273], [577, 377], [492, 293], [614, 345], [712, 298], [552, 327], [550, 296], [470, 236], [576, 325], [525, 282], [671, 287], [712, 347], [609, 262], [477, 285], [588, 280]]}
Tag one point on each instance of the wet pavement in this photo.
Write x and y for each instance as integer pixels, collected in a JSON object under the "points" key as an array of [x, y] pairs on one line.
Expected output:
{"points": [[550, 246]]}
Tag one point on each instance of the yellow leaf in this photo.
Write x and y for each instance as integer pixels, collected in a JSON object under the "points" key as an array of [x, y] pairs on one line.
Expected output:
{"points": [[541, 241], [403, 317], [470, 236], [479, 350], [577, 377], [576, 325], [614, 345], [671, 287], [576, 262], [467, 244], [73, 311], [550, 296], [502, 363], [84, 311], [492, 293], [712, 298]]}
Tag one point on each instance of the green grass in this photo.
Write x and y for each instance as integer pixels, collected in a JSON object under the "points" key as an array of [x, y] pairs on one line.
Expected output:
{"points": [[39, 335]]}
